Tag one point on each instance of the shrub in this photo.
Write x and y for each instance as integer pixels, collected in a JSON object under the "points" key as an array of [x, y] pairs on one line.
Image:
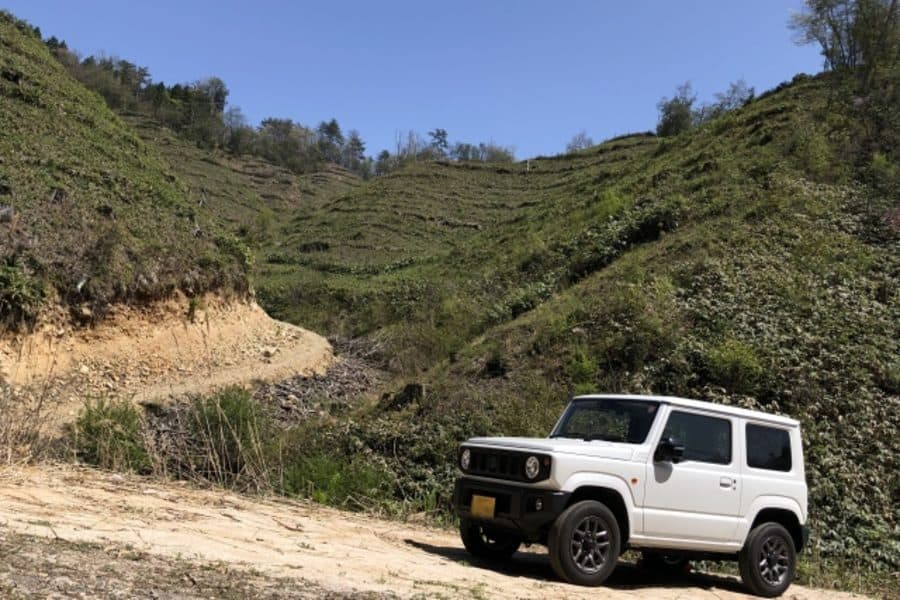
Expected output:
{"points": [[110, 435], [336, 480], [21, 297], [813, 152], [582, 369], [735, 366]]}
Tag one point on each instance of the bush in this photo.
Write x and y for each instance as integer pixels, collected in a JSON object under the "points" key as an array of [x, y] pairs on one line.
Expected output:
{"points": [[21, 297], [336, 480], [110, 435], [735, 366], [582, 369], [813, 153]]}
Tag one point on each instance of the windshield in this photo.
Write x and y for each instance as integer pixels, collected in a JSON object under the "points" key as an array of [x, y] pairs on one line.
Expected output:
{"points": [[609, 419]]}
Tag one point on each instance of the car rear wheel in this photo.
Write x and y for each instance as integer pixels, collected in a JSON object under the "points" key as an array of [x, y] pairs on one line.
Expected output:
{"points": [[768, 560], [584, 543], [487, 543]]}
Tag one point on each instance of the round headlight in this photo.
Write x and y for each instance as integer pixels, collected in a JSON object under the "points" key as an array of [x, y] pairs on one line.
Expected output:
{"points": [[532, 467], [464, 459]]}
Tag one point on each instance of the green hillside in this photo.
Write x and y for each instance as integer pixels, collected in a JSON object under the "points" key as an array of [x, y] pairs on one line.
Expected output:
{"points": [[753, 260], [243, 194], [93, 214]]}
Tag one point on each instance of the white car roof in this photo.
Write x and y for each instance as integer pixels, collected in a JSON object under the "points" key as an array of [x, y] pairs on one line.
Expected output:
{"points": [[699, 404]]}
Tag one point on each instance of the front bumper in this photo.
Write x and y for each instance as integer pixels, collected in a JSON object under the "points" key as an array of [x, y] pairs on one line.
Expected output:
{"points": [[516, 506]]}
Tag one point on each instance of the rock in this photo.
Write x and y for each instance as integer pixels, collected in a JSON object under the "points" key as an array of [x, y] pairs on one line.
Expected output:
{"points": [[6, 213], [84, 370], [58, 195], [269, 351], [116, 478], [411, 392]]}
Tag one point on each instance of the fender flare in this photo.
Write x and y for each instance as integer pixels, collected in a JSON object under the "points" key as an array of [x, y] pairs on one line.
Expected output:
{"points": [[583, 479]]}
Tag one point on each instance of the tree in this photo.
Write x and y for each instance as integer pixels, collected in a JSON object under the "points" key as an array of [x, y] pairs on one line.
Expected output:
{"points": [[439, 143], [214, 89], [354, 153], [331, 140], [737, 95], [579, 141], [676, 113], [238, 133], [385, 163], [851, 33]]}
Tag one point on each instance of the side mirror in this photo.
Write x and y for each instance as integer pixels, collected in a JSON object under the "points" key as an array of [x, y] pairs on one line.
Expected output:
{"points": [[669, 450]]}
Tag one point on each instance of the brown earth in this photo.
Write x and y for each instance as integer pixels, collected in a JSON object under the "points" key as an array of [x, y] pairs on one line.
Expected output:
{"points": [[168, 349], [176, 535]]}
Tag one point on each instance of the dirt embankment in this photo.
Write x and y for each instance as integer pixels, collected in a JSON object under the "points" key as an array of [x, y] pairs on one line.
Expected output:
{"points": [[307, 549], [168, 349]]}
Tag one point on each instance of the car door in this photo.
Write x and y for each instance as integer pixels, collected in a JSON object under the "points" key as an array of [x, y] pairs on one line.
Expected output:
{"points": [[697, 498]]}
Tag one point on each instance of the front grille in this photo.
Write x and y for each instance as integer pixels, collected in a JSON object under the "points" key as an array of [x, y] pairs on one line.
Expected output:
{"points": [[504, 464]]}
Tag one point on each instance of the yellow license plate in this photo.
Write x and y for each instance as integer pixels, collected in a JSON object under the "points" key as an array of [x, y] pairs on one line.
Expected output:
{"points": [[483, 506]]}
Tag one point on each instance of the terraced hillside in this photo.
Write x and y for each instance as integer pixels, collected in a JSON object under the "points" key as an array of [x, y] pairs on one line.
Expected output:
{"points": [[754, 260], [247, 195], [92, 215]]}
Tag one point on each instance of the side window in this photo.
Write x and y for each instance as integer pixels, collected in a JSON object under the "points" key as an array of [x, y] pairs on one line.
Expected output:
{"points": [[705, 439], [768, 448]]}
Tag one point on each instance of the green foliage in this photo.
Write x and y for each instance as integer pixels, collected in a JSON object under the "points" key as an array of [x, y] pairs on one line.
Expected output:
{"points": [[100, 217], [110, 435], [676, 114], [813, 153], [883, 173], [21, 296], [582, 369], [735, 366], [336, 480]]}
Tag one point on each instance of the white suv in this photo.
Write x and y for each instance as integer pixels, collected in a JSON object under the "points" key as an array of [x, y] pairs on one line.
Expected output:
{"points": [[675, 478]]}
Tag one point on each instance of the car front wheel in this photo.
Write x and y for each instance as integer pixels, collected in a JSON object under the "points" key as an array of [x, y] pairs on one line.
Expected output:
{"points": [[584, 543], [768, 560]]}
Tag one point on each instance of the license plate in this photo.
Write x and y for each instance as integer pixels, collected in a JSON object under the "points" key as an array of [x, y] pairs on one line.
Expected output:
{"points": [[483, 506]]}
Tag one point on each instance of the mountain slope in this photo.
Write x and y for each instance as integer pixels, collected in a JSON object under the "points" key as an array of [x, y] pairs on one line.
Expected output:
{"points": [[92, 214], [741, 262]]}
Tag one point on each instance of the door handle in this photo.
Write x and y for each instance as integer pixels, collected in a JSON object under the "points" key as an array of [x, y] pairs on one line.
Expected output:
{"points": [[728, 482]]}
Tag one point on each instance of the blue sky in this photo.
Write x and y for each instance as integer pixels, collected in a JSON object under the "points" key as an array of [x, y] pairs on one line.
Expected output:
{"points": [[521, 73]]}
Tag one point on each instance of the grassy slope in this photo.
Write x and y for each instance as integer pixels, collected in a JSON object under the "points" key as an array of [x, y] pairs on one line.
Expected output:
{"points": [[245, 194], [736, 263], [95, 204]]}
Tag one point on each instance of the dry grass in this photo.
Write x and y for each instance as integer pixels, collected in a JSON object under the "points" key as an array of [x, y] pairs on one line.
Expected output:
{"points": [[23, 423]]}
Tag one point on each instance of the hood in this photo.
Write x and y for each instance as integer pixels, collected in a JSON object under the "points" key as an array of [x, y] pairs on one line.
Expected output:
{"points": [[597, 448]]}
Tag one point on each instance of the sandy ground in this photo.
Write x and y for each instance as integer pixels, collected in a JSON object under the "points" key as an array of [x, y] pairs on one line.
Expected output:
{"points": [[160, 351], [336, 553]]}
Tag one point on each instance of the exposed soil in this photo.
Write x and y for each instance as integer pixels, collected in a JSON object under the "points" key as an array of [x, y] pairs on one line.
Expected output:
{"points": [[166, 350], [69, 532]]}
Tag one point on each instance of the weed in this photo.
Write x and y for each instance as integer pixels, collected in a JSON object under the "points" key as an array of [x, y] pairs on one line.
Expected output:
{"points": [[109, 434]]}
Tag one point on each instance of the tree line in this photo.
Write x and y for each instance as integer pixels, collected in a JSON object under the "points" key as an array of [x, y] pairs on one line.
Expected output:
{"points": [[200, 112]]}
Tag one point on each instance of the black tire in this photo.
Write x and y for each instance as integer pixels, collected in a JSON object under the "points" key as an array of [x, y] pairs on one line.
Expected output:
{"points": [[664, 562], [486, 543], [584, 543], [768, 560]]}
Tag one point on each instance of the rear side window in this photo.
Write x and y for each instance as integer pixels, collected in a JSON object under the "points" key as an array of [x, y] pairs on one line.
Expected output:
{"points": [[768, 448], [705, 439]]}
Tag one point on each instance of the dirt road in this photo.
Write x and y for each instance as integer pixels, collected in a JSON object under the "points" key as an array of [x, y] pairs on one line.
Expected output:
{"points": [[289, 549], [157, 352]]}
